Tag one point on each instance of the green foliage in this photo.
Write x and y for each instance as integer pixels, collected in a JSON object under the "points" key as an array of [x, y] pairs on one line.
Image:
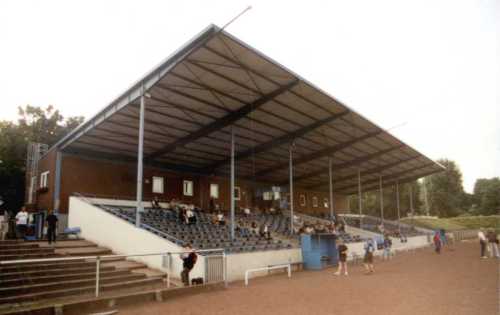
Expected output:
{"points": [[445, 190], [487, 195], [35, 124]]}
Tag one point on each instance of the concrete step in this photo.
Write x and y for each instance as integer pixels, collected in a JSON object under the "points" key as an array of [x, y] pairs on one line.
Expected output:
{"points": [[5, 276], [66, 244], [49, 286], [29, 250], [40, 297], [24, 280], [18, 245], [46, 266], [28, 256], [84, 251]]}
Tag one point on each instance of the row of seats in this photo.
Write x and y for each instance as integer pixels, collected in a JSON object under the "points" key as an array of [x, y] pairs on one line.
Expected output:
{"points": [[202, 234]]}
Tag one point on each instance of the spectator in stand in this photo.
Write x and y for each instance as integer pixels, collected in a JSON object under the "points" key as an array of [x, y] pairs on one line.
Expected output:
{"points": [[182, 215], [247, 212], [341, 227], [254, 228], [342, 250], [155, 204], [22, 218], [265, 232], [437, 242], [51, 227], [368, 259], [189, 258], [387, 247], [482, 242], [220, 219], [190, 217], [493, 243], [309, 229]]}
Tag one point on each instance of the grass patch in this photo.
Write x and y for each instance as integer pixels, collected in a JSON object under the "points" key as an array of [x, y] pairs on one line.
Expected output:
{"points": [[457, 223]]}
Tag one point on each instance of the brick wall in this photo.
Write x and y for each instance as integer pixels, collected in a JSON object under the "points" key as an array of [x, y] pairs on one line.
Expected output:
{"points": [[106, 179]]}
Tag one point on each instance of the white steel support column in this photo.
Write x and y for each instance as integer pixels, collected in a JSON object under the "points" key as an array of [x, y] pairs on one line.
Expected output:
{"points": [[381, 199], [330, 175], [397, 204], [360, 202], [140, 153], [291, 186], [411, 201], [57, 182], [426, 198], [232, 183]]}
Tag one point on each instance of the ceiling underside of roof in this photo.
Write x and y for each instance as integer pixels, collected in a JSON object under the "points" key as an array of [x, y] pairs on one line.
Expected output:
{"points": [[222, 85]]}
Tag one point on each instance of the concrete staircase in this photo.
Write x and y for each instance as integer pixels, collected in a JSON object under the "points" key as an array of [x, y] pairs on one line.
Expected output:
{"points": [[28, 286]]}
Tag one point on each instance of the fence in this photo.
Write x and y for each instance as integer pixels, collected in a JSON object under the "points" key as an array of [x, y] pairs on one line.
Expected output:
{"points": [[215, 267], [464, 234]]}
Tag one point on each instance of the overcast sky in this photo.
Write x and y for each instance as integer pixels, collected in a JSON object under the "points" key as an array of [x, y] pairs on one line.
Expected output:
{"points": [[432, 66]]}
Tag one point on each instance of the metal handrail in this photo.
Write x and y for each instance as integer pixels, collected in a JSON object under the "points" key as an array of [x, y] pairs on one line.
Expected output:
{"points": [[100, 258]]}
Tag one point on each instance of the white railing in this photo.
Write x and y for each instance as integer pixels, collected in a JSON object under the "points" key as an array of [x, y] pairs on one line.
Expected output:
{"points": [[166, 259], [288, 266]]}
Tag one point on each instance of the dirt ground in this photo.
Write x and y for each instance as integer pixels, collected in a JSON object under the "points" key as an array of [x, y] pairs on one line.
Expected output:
{"points": [[456, 282]]}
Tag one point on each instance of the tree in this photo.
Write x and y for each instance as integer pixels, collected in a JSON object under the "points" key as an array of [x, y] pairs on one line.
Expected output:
{"points": [[487, 195], [445, 190], [35, 124]]}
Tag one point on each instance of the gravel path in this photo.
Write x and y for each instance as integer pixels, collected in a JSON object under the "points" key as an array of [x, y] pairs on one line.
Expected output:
{"points": [[456, 282]]}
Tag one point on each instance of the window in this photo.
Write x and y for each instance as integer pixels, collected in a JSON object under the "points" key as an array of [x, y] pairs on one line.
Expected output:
{"points": [[325, 202], [188, 188], [237, 193], [158, 185], [302, 199], [268, 195], [277, 195], [44, 179], [315, 201], [214, 191]]}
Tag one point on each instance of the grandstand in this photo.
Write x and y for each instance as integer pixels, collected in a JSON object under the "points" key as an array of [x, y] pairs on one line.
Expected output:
{"points": [[219, 126]]}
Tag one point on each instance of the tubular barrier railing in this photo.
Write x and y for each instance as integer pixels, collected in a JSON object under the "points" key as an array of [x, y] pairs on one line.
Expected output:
{"points": [[166, 256]]}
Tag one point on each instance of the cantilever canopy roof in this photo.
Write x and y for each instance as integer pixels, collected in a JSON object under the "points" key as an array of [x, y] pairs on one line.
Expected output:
{"points": [[216, 83]]}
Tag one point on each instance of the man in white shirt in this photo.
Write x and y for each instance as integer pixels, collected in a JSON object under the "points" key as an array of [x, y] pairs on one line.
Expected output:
{"points": [[482, 242], [22, 222]]}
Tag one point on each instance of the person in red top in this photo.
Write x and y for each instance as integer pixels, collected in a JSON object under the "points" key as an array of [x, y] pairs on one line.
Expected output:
{"points": [[437, 242]]}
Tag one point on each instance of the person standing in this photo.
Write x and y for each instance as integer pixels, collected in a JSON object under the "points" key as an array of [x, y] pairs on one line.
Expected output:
{"points": [[482, 242], [368, 259], [437, 242], [22, 222], [188, 261], [493, 243], [51, 227], [387, 247], [342, 250]]}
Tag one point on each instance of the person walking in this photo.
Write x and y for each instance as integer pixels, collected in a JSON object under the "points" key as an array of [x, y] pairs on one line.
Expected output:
{"points": [[342, 250], [188, 261], [22, 218], [387, 247], [368, 259], [51, 227], [493, 243], [482, 242], [437, 242]]}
